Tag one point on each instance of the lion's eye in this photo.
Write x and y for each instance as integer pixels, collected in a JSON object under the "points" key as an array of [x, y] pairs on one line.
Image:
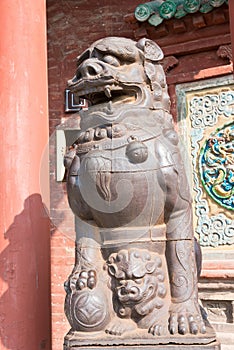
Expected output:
{"points": [[111, 60]]}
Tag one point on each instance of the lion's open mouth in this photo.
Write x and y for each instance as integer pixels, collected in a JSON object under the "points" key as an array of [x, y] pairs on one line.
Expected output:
{"points": [[110, 93]]}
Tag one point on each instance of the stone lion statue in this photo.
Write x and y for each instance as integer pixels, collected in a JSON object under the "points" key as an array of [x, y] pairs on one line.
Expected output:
{"points": [[135, 263]]}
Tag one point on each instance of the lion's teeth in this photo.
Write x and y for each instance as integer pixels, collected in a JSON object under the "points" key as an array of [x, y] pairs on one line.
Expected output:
{"points": [[107, 92]]}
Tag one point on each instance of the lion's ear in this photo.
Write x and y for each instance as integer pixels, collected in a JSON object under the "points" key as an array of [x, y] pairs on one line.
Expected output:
{"points": [[151, 50]]}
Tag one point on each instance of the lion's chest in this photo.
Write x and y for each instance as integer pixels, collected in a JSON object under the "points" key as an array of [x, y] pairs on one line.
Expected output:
{"points": [[123, 184]]}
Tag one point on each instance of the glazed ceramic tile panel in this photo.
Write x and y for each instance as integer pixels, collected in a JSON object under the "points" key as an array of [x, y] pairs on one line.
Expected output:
{"points": [[206, 126]]}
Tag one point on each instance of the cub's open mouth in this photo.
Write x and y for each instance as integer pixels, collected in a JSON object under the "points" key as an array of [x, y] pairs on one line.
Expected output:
{"points": [[110, 93]]}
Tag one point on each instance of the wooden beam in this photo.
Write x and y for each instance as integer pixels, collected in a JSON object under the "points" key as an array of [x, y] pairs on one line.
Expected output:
{"points": [[231, 19]]}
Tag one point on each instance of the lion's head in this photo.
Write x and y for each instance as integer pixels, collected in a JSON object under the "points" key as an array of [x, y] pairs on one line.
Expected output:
{"points": [[115, 73]]}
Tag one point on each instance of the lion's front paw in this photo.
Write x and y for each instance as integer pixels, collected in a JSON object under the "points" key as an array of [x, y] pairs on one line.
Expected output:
{"points": [[81, 279], [87, 279], [186, 318]]}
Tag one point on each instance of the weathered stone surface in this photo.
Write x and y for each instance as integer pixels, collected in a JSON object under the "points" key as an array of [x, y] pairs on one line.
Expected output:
{"points": [[135, 276]]}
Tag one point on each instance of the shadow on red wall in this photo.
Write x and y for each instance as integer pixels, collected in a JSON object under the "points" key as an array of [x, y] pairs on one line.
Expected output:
{"points": [[25, 273]]}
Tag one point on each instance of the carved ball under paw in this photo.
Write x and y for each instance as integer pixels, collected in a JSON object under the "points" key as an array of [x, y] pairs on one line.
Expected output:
{"points": [[88, 310]]}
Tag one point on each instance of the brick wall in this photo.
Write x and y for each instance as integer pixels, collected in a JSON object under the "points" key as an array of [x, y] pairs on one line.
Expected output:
{"points": [[72, 27]]}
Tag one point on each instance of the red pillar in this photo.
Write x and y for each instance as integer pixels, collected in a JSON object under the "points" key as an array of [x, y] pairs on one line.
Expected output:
{"points": [[24, 225]]}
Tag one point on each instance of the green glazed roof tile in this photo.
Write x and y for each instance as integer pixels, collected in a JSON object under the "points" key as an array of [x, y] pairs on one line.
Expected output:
{"points": [[157, 11]]}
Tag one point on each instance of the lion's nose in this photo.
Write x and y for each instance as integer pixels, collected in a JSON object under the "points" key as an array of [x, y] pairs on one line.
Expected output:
{"points": [[129, 290], [72, 81], [89, 70]]}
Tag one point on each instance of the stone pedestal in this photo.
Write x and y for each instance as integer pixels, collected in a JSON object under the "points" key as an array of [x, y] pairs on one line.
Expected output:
{"points": [[214, 345], [211, 346], [140, 339]]}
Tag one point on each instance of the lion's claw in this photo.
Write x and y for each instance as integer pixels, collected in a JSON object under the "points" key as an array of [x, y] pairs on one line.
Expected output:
{"points": [[86, 279], [182, 325], [158, 329], [92, 279], [120, 326]]}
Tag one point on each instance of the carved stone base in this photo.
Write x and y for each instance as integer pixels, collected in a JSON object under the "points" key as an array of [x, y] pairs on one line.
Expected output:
{"points": [[212, 346], [215, 345], [132, 341]]}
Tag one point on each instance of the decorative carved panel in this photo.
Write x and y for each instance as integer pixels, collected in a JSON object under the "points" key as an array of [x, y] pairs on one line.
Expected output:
{"points": [[219, 311], [207, 128]]}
